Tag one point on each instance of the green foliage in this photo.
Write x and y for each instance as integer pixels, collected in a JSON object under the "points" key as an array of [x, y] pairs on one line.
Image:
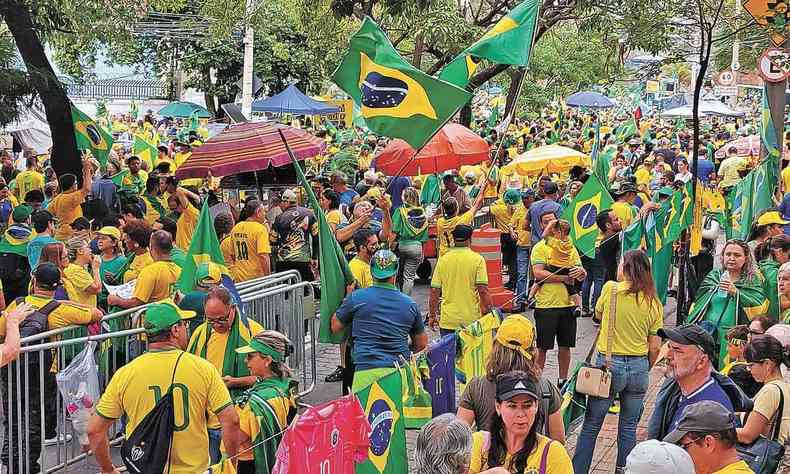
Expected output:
{"points": [[15, 89]]}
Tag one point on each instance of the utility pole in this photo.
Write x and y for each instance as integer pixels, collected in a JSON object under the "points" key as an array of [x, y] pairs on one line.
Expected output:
{"points": [[249, 56]]}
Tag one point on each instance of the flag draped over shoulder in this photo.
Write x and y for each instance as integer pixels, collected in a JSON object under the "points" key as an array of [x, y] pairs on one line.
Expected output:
{"points": [[752, 195], [508, 42], [335, 273], [146, 151], [90, 136], [582, 212], [396, 99], [203, 248], [382, 402]]}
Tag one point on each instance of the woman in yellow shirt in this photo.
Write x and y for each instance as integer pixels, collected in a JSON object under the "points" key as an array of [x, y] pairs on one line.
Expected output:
{"points": [[85, 285], [513, 445]]}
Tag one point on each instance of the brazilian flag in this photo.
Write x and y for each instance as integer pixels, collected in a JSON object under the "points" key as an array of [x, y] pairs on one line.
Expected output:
{"points": [[681, 214], [582, 212], [626, 130], [396, 99], [767, 129], [203, 248], [382, 402], [145, 151], [508, 42], [90, 136]]}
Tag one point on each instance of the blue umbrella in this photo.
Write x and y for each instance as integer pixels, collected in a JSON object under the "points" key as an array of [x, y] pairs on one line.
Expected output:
{"points": [[591, 100]]}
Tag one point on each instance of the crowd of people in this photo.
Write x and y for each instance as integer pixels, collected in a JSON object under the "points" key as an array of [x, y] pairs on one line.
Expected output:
{"points": [[68, 241]]}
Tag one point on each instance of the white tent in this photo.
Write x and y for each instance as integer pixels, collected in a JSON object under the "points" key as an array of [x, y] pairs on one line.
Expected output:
{"points": [[706, 108], [31, 131]]}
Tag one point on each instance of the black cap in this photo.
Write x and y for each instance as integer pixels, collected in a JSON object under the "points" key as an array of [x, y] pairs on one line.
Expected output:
{"points": [[705, 416], [691, 335], [550, 187], [513, 384], [47, 276], [462, 232]]}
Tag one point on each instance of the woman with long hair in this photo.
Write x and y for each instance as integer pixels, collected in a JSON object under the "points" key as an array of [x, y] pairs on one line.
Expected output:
{"points": [[265, 409], [56, 254], [85, 284], [730, 295], [410, 228], [514, 444], [513, 349], [113, 262], [638, 315], [770, 255], [767, 224], [330, 203]]}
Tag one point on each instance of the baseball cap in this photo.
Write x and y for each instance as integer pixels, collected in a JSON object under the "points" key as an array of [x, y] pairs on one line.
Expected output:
{"points": [[110, 231], [666, 191], [690, 335], [649, 160], [47, 275], [658, 457], [527, 193], [767, 218], [513, 384], [208, 273], [373, 193], [289, 196], [626, 187], [518, 333], [462, 232], [384, 264], [550, 187], [21, 213], [705, 416], [258, 346], [512, 196], [161, 316]]}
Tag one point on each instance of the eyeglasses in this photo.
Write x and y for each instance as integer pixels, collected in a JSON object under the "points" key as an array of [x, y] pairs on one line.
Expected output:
{"points": [[217, 321], [685, 446]]}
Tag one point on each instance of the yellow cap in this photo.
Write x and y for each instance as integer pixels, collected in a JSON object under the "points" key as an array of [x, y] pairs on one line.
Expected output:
{"points": [[110, 231], [518, 333], [373, 193], [771, 217]]}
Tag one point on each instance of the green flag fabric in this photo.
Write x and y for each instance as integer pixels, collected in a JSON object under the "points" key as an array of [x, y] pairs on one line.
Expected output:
{"points": [[203, 248], [508, 42], [752, 195], [396, 99], [681, 213], [382, 402], [582, 212], [90, 136], [335, 273], [626, 130], [194, 122], [767, 129], [603, 163], [145, 151]]}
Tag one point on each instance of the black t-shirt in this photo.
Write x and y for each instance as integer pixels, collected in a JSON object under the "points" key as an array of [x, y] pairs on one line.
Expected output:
{"points": [[610, 254]]}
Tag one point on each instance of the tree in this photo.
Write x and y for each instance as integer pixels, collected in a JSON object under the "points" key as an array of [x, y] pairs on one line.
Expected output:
{"points": [[15, 89]]}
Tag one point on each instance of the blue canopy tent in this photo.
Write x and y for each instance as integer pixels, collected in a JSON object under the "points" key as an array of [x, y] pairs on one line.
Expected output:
{"points": [[293, 101], [591, 100]]}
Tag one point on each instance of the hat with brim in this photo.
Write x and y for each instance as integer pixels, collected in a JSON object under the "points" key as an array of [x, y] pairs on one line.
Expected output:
{"points": [[110, 232], [21, 213], [691, 335], [767, 218], [625, 188], [261, 348], [666, 191], [383, 265], [509, 386], [163, 315], [706, 416], [208, 273]]}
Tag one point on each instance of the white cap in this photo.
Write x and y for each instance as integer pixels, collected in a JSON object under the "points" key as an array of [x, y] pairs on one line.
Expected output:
{"points": [[289, 196], [781, 332], [657, 457]]}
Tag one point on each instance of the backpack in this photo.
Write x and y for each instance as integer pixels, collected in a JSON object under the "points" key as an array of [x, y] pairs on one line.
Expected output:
{"points": [[15, 275], [36, 323], [144, 451]]}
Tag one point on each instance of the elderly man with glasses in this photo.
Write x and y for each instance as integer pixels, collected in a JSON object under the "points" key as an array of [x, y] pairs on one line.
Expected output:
{"points": [[691, 379]]}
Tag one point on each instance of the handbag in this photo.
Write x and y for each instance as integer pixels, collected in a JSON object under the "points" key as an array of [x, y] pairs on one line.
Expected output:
{"points": [[763, 455], [597, 381]]}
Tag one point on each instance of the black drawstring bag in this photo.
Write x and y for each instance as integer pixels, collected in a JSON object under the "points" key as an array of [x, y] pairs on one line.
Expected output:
{"points": [[143, 452]]}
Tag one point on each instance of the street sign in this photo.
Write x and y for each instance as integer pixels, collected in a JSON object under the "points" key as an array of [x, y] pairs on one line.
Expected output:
{"points": [[771, 15], [774, 65], [727, 78]]}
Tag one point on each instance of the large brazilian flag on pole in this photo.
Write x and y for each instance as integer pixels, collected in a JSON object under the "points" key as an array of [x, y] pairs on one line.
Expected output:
{"points": [[90, 136], [508, 42], [582, 213], [396, 99]]}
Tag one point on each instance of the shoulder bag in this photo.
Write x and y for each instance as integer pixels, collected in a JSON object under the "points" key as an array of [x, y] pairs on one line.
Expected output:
{"points": [[597, 381], [763, 455]]}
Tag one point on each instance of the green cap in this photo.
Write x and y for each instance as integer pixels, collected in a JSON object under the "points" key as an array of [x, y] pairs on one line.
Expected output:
{"points": [[163, 315], [21, 213], [384, 264], [261, 347], [208, 273], [512, 197], [666, 191]]}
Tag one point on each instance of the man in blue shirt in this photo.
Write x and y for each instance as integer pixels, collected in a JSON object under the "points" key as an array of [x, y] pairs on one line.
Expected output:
{"points": [[44, 225], [382, 320], [539, 208]]}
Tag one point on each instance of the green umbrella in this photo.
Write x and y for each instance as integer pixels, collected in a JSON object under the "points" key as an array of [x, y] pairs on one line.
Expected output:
{"points": [[183, 110]]}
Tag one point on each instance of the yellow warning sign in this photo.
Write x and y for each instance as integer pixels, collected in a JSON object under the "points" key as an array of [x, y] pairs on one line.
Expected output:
{"points": [[771, 15]]}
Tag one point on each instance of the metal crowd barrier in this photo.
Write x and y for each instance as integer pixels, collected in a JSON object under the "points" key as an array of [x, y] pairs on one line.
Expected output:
{"points": [[33, 408]]}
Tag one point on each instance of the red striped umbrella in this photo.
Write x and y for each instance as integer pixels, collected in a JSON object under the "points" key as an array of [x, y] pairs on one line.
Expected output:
{"points": [[246, 147], [451, 148]]}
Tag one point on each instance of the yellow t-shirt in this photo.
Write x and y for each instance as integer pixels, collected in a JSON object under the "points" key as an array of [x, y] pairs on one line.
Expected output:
{"points": [[151, 214], [551, 295], [518, 223], [251, 242], [186, 226], [457, 273], [728, 170], [642, 176], [27, 181], [766, 403], [198, 391], [502, 215], [80, 280], [64, 315], [228, 251], [785, 179], [445, 227], [636, 320], [625, 212], [561, 252], [66, 207], [334, 217], [739, 467], [250, 426], [361, 271], [712, 200], [140, 261], [217, 342], [557, 461], [156, 281]]}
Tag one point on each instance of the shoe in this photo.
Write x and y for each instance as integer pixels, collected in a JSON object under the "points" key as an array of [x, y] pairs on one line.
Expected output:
{"points": [[577, 312], [596, 323], [60, 439], [615, 408], [336, 376], [586, 313]]}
